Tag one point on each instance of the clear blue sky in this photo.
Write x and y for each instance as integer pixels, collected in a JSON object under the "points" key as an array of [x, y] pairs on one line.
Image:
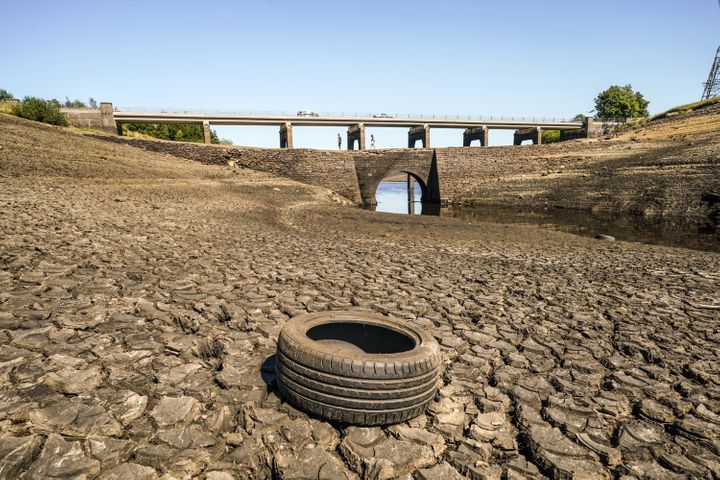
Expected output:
{"points": [[512, 58]]}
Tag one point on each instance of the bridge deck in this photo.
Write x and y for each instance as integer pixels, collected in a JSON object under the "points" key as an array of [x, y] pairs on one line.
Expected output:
{"points": [[249, 119]]}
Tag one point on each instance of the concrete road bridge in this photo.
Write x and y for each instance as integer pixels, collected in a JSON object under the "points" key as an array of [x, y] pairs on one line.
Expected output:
{"points": [[476, 128]]}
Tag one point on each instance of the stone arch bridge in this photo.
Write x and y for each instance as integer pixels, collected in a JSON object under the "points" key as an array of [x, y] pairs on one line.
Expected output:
{"points": [[443, 173]]}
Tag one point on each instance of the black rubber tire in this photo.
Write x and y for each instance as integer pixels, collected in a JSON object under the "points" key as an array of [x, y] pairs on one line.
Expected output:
{"points": [[352, 416], [330, 380], [356, 398], [354, 386]]}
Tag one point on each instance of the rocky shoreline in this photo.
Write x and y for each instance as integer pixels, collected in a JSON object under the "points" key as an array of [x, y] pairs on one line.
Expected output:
{"points": [[141, 296]]}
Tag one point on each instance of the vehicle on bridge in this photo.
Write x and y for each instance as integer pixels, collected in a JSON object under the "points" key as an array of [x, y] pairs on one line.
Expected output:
{"points": [[383, 115], [307, 113]]}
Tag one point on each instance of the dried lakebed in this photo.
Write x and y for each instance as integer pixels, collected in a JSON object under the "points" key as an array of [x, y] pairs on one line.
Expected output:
{"points": [[140, 296]]}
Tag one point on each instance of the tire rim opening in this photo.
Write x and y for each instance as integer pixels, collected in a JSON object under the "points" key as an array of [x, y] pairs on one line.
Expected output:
{"points": [[361, 337]]}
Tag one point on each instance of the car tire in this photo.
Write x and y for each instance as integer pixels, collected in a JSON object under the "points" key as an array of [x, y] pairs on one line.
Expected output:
{"points": [[357, 367]]}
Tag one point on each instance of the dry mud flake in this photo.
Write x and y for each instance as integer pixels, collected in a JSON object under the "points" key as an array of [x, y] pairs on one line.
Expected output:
{"points": [[74, 381], [375, 456], [310, 463], [172, 410], [441, 471], [16, 453], [128, 471], [61, 459]]}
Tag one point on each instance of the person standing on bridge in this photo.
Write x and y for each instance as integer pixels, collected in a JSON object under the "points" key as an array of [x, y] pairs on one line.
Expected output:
{"points": [[339, 142], [372, 141]]}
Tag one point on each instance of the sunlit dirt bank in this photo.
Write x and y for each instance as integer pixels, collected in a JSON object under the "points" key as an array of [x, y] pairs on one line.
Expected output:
{"points": [[564, 356], [666, 170]]}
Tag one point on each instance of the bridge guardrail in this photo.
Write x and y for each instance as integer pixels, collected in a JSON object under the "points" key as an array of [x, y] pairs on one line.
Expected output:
{"points": [[354, 115]]}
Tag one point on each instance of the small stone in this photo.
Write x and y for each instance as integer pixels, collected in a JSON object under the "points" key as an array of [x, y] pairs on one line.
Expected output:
{"points": [[607, 238]]}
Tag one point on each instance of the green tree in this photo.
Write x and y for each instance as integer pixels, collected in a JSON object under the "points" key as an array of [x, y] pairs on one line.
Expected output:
{"points": [[550, 136], [73, 103], [176, 132], [40, 110], [620, 102], [5, 95], [92, 103]]}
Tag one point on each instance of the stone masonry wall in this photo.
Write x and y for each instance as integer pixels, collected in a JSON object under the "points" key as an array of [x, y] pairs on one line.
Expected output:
{"points": [[459, 169], [83, 117], [325, 168]]}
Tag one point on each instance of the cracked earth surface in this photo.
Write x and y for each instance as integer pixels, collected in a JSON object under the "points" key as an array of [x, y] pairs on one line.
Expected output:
{"points": [[141, 297]]}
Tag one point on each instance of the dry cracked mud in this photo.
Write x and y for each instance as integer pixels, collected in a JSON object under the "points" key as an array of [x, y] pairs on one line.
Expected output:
{"points": [[141, 297]]}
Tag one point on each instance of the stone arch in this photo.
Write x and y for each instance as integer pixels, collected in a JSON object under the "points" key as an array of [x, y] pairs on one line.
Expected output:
{"points": [[422, 182], [372, 168]]}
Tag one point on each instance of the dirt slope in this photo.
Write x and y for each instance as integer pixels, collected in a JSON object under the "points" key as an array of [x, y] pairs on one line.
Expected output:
{"points": [[667, 169]]}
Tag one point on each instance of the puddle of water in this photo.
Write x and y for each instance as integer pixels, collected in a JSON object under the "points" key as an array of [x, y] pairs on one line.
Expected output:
{"points": [[627, 228], [392, 198]]}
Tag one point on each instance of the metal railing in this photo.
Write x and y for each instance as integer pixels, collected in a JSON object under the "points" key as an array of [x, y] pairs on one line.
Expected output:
{"points": [[349, 115]]}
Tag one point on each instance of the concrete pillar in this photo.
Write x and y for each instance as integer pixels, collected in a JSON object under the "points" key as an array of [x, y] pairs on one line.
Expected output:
{"points": [[107, 119], [411, 194], [356, 132], [592, 128], [286, 139], [421, 132], [534, 134], [476, 133], [206, 132]]}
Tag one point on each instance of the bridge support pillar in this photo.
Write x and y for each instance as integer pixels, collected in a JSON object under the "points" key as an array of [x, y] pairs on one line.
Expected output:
{"points": [[422, 133], [534, 134], [356, 132], [206, 132], [411, 194], [107, 119], [286, 137], [476, 133]]}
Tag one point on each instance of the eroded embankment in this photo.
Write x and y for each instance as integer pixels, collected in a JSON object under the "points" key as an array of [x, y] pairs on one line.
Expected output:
{"points": [[669, 169]]}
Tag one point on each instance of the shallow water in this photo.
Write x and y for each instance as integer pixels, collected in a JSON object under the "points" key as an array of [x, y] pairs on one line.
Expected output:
{"points": [[392, 198]]}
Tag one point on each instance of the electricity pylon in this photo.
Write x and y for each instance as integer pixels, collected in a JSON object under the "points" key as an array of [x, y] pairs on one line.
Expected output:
{"points": [[712, 86]]}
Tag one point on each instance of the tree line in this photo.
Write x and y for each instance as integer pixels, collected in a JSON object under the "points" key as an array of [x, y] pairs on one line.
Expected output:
{"points": [[48, 111]]}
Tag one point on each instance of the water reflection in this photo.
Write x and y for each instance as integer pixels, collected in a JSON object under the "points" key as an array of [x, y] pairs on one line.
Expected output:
{"points": [[392, 197], [628, 228]]}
